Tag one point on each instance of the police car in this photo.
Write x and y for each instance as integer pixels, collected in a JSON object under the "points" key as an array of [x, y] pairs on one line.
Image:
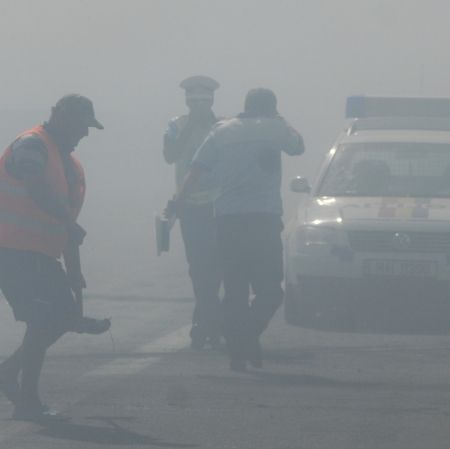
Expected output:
{"points": [[369, 247]]}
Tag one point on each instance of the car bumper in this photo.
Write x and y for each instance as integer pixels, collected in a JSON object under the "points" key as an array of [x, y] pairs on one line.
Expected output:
{"points": [[345, 264], [369, 306]]}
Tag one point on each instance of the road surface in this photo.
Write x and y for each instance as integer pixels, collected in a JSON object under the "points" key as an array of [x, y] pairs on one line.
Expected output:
{"points": [[148, 389]]}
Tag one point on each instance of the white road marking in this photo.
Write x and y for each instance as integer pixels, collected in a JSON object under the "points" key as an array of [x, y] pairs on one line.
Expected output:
{"points": [[172, 342]]}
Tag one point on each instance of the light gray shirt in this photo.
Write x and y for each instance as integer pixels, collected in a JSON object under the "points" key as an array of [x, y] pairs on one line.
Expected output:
{"points": [[244, 155]]}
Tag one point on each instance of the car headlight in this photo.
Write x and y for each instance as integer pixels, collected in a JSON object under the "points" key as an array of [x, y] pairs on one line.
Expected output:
{"points": [[316, 236]]}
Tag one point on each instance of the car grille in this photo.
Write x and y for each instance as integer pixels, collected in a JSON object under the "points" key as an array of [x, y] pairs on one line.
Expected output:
{"points": [[422, 242]]}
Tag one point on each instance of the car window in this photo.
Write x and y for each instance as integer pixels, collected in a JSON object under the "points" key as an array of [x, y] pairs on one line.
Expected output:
{"points": [[389, 169]]}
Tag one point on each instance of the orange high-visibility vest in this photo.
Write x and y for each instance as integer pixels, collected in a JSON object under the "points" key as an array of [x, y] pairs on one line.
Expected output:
{"points": [[23, 225]]}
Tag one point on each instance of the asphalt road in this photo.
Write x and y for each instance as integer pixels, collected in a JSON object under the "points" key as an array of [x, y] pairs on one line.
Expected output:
{"points": [[316, 390]]}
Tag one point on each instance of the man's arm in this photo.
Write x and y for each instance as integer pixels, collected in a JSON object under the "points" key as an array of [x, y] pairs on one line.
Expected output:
{"points": [[173, 142], [47, 200], [28, 162], [293, 144], [72, 263]]}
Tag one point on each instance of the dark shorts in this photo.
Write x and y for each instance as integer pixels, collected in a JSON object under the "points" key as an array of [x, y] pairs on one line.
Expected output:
{"points": [[37, 289]]}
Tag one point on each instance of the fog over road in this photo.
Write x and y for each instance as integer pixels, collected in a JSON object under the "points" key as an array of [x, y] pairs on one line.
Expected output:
{"points": [[317, 390], [147, 388]]}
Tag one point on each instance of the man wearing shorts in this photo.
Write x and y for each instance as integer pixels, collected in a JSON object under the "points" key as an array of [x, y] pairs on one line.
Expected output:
{"points": [[41, 193]]}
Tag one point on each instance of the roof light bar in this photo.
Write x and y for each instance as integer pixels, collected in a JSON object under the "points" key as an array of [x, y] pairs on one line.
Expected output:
{"points": [[362, 106]]}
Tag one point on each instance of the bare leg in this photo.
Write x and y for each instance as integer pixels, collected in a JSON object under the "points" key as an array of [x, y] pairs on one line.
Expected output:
{"points": [[9, 368], [9, 373], [35, 344]]}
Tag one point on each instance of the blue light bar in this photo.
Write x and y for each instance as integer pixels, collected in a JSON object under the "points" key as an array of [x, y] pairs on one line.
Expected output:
{"points": [[362, 106]]}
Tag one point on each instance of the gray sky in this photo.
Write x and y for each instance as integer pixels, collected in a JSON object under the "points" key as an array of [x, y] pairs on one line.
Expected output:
{"points": [[132, 54], [129, 57]]}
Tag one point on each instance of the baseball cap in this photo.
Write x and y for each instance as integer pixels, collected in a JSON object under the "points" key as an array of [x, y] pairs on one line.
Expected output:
{"points": [[80, 107]]}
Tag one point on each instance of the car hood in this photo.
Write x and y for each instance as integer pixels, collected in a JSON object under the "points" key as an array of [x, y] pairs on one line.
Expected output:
{"points": [[379, 211]]}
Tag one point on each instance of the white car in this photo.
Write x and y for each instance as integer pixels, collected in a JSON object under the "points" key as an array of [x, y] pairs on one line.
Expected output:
{"points": [[369, 248]]}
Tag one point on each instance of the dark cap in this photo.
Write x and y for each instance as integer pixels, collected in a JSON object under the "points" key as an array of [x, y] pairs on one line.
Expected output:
{"points": [[261, 102], [199, 87], [78, 107]]}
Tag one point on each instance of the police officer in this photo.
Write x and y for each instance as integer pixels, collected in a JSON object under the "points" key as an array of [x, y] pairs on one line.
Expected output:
{"points": [[183, 137], [245, 155]]}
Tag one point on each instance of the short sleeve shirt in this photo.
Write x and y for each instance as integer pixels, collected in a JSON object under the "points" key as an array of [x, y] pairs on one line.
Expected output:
{"points": [[244, 155], [28, 156]]}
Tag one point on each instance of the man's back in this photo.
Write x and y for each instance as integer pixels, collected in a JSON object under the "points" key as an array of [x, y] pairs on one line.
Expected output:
{"points": [[244, 153]]}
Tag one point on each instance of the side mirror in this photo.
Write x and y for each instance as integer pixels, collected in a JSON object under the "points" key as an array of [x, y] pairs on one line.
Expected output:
{"points": [[300, 185]]}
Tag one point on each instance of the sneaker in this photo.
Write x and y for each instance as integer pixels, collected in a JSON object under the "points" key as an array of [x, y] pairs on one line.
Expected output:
{"points": [[37, 413], [93, 326]]}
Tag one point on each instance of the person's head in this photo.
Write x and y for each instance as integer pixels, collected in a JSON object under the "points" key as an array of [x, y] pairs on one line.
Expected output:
{"points": [[199, 94], [71, 118], [260, 102]]}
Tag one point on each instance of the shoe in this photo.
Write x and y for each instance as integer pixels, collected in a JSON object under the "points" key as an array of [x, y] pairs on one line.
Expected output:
{"points": [[38, 413], [93, 326], [254, 354], [198, 338], [238, 365], [10, 389]]}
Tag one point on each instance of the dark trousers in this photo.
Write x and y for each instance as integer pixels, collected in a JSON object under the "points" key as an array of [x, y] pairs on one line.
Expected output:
{"points": [[198, 229], [252, 257]]}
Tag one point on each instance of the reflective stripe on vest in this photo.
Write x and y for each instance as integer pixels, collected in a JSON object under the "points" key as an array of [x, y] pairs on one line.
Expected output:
{"points": [[204, 197]]}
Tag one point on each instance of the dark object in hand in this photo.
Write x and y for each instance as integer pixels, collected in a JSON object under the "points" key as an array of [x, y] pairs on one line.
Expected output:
{"points": [[162, 234], [93, 326], [171, 209]]}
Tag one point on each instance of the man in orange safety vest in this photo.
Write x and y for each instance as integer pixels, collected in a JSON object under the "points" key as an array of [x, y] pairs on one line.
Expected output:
{"points": [[41, 193]]}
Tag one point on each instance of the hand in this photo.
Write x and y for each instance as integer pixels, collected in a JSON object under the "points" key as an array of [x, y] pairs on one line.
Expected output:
{"points": [[76, 233], [172, 208]]}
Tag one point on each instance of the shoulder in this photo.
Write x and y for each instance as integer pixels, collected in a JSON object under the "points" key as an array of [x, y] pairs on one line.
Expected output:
{"points": [[226, 124], [179, 121], [225, 131], [29, 141], [29, 147], [174, 127], [28, 155]]}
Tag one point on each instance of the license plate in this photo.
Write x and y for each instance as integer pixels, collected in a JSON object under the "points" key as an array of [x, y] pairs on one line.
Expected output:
{"points": [[393, 268]]}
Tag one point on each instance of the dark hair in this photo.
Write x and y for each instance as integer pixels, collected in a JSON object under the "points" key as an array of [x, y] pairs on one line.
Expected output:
{"points": [[261, 102]]}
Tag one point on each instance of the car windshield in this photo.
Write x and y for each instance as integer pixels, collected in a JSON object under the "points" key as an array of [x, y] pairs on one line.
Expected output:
{"points": [[389, 169]]}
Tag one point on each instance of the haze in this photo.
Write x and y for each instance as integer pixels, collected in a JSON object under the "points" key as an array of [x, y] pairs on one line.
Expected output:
{"points": [[129, 57]]}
